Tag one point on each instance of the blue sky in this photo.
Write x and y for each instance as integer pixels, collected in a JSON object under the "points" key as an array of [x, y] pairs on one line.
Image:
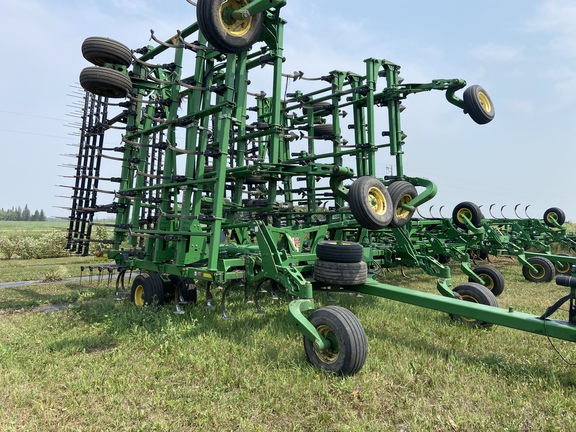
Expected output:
{"points": [[521, 51]]}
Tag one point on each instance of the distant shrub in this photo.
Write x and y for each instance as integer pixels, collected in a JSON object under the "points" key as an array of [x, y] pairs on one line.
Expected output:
{"points": [[7, 247], [48, 245]]}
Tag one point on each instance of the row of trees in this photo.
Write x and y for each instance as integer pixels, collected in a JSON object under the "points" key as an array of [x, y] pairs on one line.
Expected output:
{"points": [[22, 214]]}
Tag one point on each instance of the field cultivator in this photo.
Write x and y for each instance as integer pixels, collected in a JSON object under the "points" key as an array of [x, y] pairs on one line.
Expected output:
{"points": [[528, 240], [221, 181]]}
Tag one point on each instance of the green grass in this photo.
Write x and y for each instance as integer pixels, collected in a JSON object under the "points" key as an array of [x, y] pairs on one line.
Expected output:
{"points": [[101, 364], [39, 269], [31, 229]]}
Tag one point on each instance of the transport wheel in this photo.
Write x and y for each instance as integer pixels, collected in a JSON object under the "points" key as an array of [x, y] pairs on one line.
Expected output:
{"points": [[563, 267], [340, 273], [476, 293], [469, 210], [105, 82], [186, 288], [478, 254], [441, 258], [493, 279], [227, 34], [100, 50], [147, 289], [478, 104], [545, 271], [339, 251], [401, 192], [348, 346], [554, 213], [370, 203]]}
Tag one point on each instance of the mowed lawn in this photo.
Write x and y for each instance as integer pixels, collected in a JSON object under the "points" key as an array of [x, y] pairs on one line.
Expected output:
{"points": [[97, 364]]}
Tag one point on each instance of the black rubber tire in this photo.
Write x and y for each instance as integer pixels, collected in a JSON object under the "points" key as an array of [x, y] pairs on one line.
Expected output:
{"points": [[470, 210], [479, 254], [340, 251], [554, 213], [474, 292], [563, 268], [545, 267], [349, 346], [100, 50], [370, 203], [401, 192], [493, 279], [105, 82], [185, 287], [324, 132], [147, 289], [478, 104], [228, 40], [442, 258], [340, 273]]}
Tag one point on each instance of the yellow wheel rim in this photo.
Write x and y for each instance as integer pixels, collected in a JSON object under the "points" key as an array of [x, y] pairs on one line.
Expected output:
{"points": [[401, 213], [377, 200], [139, 296], [470, 299], [488, 281], [539, 273], [484, 101], [550, 217], [464, 212], [328, 355], [232, 26]]}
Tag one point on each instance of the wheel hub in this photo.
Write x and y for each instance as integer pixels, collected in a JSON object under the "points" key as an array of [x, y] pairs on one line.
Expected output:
{"points": [[402, 213], [232, 26], [464, 213], [484, 101], [328, 355], [377, 200]]}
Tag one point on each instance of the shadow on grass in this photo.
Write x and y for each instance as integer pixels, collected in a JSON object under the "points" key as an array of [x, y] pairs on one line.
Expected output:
{"points": [[14, 298]]}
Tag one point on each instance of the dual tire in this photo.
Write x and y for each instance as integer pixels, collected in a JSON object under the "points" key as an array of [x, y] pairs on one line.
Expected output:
{"points": [[374, 206], [338, 263], [99, 79]]}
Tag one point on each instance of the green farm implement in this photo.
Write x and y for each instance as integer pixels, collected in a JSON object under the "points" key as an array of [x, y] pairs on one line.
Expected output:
{"points": [[222, 179]]}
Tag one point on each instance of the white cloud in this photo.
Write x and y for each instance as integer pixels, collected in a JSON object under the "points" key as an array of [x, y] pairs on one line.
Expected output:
{"points": [[497, 52], [557, 17]]}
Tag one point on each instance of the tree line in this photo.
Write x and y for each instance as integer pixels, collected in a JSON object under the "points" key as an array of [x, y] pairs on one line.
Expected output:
{"points": [[22, 214]]}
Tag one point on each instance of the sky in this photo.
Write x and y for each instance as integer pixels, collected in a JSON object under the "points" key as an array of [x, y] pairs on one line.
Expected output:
{"points": [[522, 52]]}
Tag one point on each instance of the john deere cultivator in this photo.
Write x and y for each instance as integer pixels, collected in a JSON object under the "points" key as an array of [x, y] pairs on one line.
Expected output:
{"points": [[221, 182]]}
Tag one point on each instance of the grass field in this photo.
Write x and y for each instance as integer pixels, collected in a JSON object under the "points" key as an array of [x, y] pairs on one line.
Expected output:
{"points": [[99, 364], [33, 229]]}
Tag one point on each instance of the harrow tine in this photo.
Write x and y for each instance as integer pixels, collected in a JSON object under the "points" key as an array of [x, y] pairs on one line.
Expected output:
{"points": [[440, 211], [502, 212], [526, 211], [490, 210], [515, 212], [225, 315], [209, 297]]}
